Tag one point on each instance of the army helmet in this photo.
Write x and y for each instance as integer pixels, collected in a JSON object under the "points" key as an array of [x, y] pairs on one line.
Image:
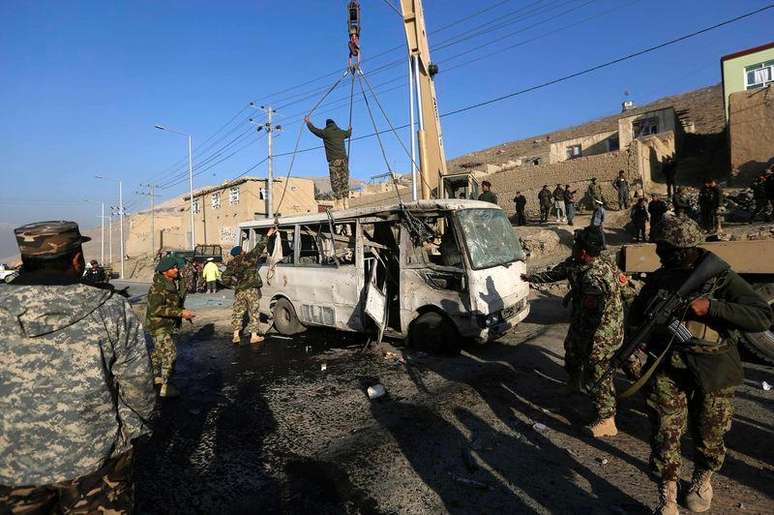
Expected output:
{"points": [[681, 232]]}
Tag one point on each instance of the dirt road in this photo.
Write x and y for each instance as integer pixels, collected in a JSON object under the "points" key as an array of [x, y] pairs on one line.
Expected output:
{"points": [[267, 430]]}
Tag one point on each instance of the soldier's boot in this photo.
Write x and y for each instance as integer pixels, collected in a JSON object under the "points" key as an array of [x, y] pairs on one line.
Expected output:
{"points": [[237, 338], [603, 427], [699, 497], [667, 502], [256, 338], [168, 391]]}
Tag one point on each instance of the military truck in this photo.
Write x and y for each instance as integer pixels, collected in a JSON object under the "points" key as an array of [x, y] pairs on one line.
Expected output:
{"points": [[753, 260], [199, 255]]}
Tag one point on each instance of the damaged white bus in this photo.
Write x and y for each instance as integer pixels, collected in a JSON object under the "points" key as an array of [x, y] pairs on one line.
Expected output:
{"points": [[435, 272]]}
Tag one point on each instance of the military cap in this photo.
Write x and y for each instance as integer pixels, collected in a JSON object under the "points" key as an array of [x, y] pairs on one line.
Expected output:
{"points": [[167, 263], [236, 250], [681, 231], [589, 238], [49, 239]]}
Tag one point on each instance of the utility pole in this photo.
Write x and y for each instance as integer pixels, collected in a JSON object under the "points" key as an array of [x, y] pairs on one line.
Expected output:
{"points": [[269, 128], [151, 192], [102, 235], [121, 216], [110, 235], [121, 232], [190, 179]]}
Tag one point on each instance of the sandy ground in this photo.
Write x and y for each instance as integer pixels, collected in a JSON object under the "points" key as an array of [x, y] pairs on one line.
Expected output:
{"points": [[287, 427]]}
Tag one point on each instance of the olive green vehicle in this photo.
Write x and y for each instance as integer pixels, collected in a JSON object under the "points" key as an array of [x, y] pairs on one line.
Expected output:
{"points": [[753, 260]]}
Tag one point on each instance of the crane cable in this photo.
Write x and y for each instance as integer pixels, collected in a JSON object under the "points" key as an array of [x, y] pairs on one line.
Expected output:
{"points": [[301, 131]]}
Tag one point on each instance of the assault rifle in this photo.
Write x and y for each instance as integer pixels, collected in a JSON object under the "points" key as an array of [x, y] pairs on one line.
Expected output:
{"points": [[662, 310]]}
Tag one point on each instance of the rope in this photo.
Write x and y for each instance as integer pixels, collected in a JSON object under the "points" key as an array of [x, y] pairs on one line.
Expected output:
{"points": [[394, 131], [379, 139], [298, 138]]}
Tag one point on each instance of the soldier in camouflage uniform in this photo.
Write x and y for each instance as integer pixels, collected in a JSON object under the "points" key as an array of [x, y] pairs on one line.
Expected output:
{"points": [[596, 325], [242, 274], [76, 386], [335, 152], [693, 386], [189, 276], [163, 317]]}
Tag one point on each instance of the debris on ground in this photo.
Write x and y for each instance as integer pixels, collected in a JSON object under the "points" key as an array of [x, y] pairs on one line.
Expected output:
{"points": [[375, 391], [766, 386]]}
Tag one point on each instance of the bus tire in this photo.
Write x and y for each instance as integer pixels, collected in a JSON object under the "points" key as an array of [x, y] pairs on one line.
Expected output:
{"points": [[434, 333], [286, 321], [762, 344]]}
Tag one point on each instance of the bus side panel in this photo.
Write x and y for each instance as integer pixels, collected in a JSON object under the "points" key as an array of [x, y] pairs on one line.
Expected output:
{"points": [[325, 296]]}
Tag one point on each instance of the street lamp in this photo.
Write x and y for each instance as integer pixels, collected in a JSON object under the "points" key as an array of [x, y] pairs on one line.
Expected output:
{"points": [[190, 179], [121, 215]]}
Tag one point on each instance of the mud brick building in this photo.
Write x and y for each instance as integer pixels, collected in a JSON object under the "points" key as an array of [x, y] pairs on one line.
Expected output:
{"points": [[219, 209], [636, 140]]}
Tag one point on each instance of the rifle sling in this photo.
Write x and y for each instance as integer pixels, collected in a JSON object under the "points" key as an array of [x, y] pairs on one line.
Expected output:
{"points": [[634, 388]]}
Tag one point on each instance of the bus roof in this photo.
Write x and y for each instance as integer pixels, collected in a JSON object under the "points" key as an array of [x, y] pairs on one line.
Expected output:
{"points": [[384, 209]]}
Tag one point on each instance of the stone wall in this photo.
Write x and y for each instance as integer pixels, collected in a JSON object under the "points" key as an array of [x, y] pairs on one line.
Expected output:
{"points": [[575, 172], [751, 130]]}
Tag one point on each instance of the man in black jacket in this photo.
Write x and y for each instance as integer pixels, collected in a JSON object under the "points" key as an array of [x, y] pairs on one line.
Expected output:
{"points": [[693, 383], [336, 153], [520, 201]]}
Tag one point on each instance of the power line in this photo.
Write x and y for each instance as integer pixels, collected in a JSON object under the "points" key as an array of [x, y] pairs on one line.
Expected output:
{"points": [[609, 63], [180, 171], [565, 77]]}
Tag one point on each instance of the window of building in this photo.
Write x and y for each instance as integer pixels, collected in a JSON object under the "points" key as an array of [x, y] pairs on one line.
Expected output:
{"points": [[613, 143], [645, 127], [233, 196], [574, 151], [215, 200], [196, 206], [759, 75]]}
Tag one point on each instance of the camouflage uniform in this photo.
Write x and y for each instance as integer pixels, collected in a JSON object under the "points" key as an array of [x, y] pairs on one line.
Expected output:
{"points": [[596, 324], [108, 490], [335, 152], [162, 321], [188, 277], [76, 388], [694, 386], [339, 175], [242, 274]]}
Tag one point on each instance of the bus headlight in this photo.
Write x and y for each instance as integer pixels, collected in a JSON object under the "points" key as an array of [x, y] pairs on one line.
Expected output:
{"points": [[489, 320]]}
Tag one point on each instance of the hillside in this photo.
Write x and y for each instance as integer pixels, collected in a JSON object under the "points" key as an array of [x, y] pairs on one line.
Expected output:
{"points": [[702, 107]]}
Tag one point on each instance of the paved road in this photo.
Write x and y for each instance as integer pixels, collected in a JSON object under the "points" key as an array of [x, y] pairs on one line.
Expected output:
{"points": [[286, 427]]}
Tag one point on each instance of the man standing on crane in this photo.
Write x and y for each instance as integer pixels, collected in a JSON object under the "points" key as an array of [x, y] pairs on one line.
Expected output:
{"points": [[335, 152]]}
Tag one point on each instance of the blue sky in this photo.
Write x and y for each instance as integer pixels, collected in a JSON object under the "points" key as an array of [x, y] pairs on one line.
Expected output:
{"points": [[83, 83]]}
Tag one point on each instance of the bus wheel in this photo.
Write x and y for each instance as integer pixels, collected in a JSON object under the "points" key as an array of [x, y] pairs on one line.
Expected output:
{"points": [[433, 333], [285, 320]]}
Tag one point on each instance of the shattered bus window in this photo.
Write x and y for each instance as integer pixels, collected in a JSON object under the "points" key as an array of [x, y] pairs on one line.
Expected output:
{"points": [[489, 237]]}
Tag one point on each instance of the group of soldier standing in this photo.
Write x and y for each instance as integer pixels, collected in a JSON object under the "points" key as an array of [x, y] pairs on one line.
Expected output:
{"points": [[78, 387], [77, 382], [166, 300], [691, 386]]}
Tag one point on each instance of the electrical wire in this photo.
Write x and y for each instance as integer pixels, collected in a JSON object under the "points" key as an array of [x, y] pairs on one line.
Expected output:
{"points": [[180, 173]]}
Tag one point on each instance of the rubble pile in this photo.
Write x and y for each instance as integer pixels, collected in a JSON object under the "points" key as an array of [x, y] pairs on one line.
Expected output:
{"points": [[539, 244]]}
